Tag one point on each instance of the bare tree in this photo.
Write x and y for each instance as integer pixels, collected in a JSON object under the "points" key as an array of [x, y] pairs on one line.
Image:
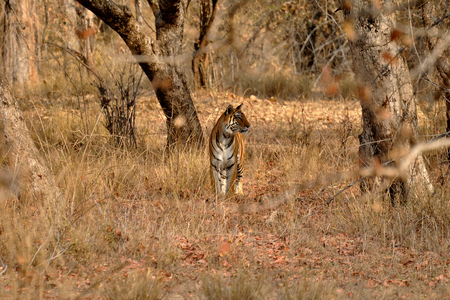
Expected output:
{"points": [[160, 60], [18, 149], [21, 46], [200, 62], [386, 93]]}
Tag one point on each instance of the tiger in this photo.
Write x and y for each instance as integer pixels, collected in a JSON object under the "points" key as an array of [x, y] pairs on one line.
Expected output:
{"points": [[226, 150]]}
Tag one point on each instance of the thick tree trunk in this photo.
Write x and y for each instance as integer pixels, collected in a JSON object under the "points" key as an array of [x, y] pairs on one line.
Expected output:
{"points": [[200, 61], [21, 45], [160, 61], [387, 100], [18, 150]]}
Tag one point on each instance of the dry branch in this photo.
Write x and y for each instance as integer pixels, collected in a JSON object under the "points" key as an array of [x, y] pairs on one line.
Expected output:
{"points": [[441, 46]]}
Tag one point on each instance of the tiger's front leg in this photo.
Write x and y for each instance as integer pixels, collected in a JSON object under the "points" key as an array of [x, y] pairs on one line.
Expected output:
{"points": [[238, 187], [239, 173], [230, 177], [218, 183], [223, 182]]}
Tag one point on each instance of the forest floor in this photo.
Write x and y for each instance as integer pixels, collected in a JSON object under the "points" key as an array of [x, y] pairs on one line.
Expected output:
{"points": [[141, 226]]}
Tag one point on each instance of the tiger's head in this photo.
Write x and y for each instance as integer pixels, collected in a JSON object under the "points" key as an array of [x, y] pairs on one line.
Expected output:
{"points": [[235, 120]]}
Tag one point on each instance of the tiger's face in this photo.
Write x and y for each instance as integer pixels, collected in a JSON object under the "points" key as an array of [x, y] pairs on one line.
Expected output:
{"points": [[235, 120]]}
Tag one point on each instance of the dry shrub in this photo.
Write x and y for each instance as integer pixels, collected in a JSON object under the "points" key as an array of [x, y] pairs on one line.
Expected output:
{"points": [[118, 103]]}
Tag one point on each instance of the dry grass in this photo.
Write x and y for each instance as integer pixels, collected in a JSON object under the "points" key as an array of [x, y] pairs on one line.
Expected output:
{"points": [[274, 83], [134, 224]]}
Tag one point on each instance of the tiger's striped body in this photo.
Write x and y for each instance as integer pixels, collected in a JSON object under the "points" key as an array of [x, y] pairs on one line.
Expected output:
{"points": [[226, 149]]}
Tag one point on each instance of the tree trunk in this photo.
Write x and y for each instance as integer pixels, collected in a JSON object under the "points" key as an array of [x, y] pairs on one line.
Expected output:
{"points": [[19, 151], [200, 61], [386, 93], [86, 34], [161, 62], [21, 45], [443, 68], [442, 63], [138, 10], [69, 8]]}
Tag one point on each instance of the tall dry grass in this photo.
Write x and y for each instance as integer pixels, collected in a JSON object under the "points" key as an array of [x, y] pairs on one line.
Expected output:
{"points": [[116, 231], [135, 204]]}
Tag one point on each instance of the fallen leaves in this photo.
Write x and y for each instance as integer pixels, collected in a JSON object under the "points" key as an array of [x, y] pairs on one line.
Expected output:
{"points": [[224, 248], [249, 241]]}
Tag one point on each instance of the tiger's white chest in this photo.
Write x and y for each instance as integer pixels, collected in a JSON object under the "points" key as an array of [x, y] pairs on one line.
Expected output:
{"points": [[225, 157]]}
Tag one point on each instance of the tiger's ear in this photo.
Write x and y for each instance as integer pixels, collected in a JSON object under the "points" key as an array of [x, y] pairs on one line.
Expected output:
{"points": [[229, 110], [239, 107]]}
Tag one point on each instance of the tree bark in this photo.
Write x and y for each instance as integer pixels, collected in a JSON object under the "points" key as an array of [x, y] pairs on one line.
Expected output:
{"points": [[69, 8], [442, 63], [443, 68], [19, 151], [386, 94], [200, 61], [160, 61], [21, 45], [138, 11]]}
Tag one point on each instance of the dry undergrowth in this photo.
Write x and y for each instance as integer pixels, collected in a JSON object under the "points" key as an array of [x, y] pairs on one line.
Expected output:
{"points": [[134, 224]]}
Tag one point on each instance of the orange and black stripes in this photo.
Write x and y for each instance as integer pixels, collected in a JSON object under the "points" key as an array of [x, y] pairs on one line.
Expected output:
{"points": [[226, 148]]}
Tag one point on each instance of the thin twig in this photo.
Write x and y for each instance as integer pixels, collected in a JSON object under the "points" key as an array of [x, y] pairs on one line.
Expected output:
{"points": [[76, 55], [8, 3]]}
